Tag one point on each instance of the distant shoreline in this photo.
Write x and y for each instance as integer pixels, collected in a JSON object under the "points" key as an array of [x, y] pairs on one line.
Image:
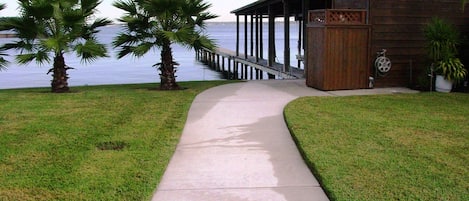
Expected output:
{"points": [[7, 35]]}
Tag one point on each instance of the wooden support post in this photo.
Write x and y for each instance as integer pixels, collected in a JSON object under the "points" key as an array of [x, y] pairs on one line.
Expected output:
{"points": [[218, 62], [212, 59], [286, 52], [222, 64], [237, 35], [300, 28], [252, 36], [251, 73], [261, 37], [257, 37], [229, 68], [246, 72], [245, 36], [242, 71], [236, 71], [271, 59]]}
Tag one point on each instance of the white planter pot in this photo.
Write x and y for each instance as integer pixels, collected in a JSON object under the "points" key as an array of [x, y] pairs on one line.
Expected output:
{"points": [[443, 85]]}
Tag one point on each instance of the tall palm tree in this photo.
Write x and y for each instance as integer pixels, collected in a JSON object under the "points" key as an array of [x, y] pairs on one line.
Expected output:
{"points": [[150, 24], [3, 62], [50, 28]]}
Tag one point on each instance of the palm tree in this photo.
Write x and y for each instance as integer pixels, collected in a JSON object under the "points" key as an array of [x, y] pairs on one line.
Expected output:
{"points": [[150, 24], [50, 28], [3, 62]]}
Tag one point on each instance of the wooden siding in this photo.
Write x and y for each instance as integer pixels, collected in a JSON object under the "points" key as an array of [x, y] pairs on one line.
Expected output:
{"points": [[397, 27]]}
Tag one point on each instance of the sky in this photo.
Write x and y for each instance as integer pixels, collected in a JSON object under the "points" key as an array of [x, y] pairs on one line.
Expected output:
{"points": [[222, 8]]}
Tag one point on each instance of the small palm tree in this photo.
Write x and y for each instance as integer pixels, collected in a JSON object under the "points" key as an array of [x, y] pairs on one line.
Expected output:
{"points": [[50, 28], [3, 62], [158, 24]]}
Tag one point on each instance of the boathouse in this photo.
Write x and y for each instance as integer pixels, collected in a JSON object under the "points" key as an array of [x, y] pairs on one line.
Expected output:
{"points": [[341, 39]]}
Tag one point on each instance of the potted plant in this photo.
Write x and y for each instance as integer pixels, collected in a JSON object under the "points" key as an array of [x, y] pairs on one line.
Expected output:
{"points": [[442, 41]]}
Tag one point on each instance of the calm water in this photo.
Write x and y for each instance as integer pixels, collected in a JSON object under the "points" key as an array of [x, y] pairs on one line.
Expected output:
{"points": [[130, 69]]}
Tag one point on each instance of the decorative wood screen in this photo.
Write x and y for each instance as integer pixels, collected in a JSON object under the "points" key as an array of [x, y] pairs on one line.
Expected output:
{"points": [[337, 16]]}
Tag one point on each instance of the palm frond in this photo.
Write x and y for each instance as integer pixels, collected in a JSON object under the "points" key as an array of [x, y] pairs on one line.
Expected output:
{"points": [[100, 22], [40, 57], [21, 45], [203, 41], [142, 49], [3, 63], [88, 7], [125, 39], [128, 6], [182, 36], [90, 51], [124, 51]]}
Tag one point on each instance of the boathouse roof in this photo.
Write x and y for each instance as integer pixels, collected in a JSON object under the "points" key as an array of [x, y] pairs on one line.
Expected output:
{"points": [[261, 7]]}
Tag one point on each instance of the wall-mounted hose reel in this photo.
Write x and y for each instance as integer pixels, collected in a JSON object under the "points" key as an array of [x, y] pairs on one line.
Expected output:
{"points": [[382, 63]]}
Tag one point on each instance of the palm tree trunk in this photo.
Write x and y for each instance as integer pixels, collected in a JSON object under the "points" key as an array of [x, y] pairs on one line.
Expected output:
{"points": [[59, 76], [168, 72]]}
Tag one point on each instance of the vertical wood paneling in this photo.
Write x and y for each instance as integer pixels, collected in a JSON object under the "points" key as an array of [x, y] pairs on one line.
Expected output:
{"points": [[338, 56]]}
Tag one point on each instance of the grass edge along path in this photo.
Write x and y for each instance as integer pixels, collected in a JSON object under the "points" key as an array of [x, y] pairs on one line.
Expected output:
{"points": [[97, 143], [385, 147]]}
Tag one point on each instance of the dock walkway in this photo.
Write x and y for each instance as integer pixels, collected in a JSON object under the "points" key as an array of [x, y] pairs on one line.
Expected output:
{"points": [[242, 67]]}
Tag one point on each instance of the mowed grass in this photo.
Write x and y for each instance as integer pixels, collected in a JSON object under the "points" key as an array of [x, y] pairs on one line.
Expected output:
{"points": [[389, 147], [97, 143]]}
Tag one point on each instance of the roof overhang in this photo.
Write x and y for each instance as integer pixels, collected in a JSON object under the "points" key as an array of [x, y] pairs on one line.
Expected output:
{"points": [[261, 7]]}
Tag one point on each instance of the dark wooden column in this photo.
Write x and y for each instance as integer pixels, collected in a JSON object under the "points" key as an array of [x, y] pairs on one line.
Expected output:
{"points": [[245, 36], [261, 37], [300, 43], [286, 52], [271, 38], [306, 6], [257, 37], [237, 35], [252, 36]]}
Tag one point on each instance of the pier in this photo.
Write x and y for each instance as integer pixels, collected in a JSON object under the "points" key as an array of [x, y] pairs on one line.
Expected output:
{"points": [[251, 63], [245, 68]]}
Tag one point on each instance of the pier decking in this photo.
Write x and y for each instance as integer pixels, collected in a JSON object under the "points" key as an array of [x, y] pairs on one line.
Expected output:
{"points": [[245, 67]]}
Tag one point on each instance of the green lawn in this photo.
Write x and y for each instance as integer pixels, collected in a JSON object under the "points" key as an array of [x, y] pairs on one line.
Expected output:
{"points": [[389, 147], [97, 143]]}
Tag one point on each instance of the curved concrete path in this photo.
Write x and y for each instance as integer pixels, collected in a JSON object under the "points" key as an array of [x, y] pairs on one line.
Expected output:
{"points": [[236, 146]]}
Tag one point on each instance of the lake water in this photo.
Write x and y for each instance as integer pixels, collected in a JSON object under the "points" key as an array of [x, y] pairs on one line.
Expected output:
{"points": [[135, 70]]}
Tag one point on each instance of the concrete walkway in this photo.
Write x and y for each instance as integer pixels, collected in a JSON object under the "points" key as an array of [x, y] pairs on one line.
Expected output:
{"points": [[236, 147]]}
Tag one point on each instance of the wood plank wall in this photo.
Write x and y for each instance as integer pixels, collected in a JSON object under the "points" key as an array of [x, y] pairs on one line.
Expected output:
{"points": [[397, 26]]}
